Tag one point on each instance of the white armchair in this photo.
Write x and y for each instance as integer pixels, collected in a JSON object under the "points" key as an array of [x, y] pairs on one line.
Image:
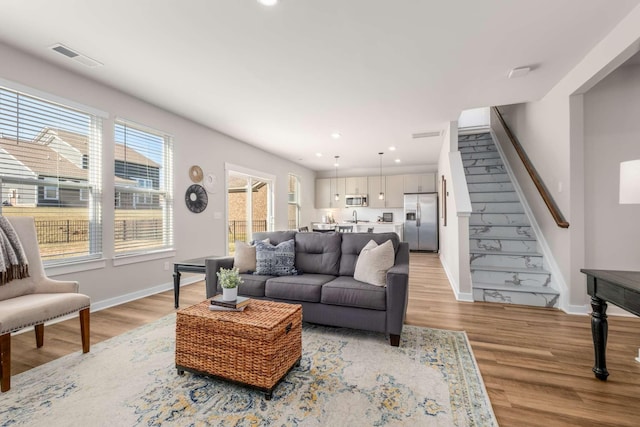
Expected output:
{"points": [[34, 300]]}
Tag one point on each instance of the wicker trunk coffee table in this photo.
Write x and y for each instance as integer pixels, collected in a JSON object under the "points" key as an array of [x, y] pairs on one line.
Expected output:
{"points": [[255, 347]]}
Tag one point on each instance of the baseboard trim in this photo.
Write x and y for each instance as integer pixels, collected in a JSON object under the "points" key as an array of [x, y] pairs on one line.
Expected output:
{"points": [[460, 296]]}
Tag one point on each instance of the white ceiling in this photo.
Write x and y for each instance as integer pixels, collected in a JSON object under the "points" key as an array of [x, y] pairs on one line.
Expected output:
{"points": [[284, 78]]}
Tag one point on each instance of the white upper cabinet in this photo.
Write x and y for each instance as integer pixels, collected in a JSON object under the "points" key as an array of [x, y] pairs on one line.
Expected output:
{"points": [[374, 190], [394, 193], [356, 185], [326, 189], [420, 183]]}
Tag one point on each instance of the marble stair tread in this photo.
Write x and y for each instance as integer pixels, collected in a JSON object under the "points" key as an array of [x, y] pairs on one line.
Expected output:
{"points": [[513, 224], [506, 253], [494, 172], [515, 288], [498, 237], [510, 269]]}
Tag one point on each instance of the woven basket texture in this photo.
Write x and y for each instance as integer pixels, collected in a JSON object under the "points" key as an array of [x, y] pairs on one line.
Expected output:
{"points": [[256, 346]]}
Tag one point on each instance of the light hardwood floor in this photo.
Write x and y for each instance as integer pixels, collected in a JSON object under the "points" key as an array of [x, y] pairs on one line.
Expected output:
{"points": [[536, 363]]}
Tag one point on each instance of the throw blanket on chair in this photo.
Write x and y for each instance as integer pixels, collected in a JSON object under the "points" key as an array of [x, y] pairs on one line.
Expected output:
{"points": [[13, 261]]}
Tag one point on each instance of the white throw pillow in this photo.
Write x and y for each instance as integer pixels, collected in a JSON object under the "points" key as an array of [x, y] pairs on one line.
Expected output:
{"points": [[374, 262], [244, 258]]}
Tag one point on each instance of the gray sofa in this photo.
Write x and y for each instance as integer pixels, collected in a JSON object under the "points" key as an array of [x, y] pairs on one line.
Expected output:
{"points": [[325, 287]]}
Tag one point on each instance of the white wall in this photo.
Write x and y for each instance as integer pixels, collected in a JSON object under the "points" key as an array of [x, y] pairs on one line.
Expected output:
{"points": [[195, 234], [611, 135], [551, 132], [454, 237]]}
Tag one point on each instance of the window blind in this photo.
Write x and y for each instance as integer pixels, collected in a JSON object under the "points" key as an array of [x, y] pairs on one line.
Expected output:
{"points": [[50, 169], [143, 200]]}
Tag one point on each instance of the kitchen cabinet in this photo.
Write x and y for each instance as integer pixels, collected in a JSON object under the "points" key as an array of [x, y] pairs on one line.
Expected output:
{"points": [[393, 189], [326, 189], [373, 191], [394, 195], [356, 185], [420, 183]]}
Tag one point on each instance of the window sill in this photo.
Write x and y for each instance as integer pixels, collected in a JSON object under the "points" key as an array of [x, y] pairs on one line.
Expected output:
{"points": [[75, 267], [149, 256]]}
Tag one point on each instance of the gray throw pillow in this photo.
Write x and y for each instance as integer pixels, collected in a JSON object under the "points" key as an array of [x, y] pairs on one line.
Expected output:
{"points": [[275, 260]]}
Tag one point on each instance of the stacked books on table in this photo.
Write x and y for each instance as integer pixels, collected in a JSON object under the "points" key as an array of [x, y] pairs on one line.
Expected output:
{"points": [[218, 304]]}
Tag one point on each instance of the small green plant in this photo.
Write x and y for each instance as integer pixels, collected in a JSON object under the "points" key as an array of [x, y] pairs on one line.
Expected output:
{"points": [[229, 278]]}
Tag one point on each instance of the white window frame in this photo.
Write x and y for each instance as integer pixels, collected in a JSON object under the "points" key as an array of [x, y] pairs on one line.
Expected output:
{"points": [[75, 262], [48, 188], [123, 257]]}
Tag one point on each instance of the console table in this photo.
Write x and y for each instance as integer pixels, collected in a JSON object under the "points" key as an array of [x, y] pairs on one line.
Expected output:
{"points": [[621, 288], [195, 265]]}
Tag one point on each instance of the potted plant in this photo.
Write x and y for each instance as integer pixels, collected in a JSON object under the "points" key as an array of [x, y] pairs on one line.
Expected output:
{"points": [[229, 281]]}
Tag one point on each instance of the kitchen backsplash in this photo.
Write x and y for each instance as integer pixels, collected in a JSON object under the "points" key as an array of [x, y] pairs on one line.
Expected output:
{"points": [[364, 214]]}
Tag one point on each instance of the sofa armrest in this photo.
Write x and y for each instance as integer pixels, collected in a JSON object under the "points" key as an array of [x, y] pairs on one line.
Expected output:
{"points": [[212, 266], [398, 290]]}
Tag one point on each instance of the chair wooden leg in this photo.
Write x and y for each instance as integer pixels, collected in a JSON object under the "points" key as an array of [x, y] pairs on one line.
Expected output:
{"points": [[5, 362], [84, 330], [39, 335]]}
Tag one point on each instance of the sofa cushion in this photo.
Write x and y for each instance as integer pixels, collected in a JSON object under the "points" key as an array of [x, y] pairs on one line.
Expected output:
{"points": [[252, 285], [373, 263], [318, 253], [347, 291], [352, 244], [306, 287], [275, 237], [275, 260]]}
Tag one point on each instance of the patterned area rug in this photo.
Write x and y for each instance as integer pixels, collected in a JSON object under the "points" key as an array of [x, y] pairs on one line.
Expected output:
{"points": [[346, 378]]}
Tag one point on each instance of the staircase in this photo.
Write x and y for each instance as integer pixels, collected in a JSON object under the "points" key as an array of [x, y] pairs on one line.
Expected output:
{"points": [[506, 266]]}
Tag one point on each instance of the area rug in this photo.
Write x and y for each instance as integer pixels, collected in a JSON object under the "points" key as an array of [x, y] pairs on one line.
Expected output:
{"points": [[346, 378]]}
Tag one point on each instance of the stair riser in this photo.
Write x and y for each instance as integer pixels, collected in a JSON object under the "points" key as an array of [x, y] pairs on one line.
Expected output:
{"points": [[494, 197], [490, 187], [498, 219], [482, 162], [498, 207], [479, 170], [508, 278], [514, 261], [523, 298], [478, 149], [496, 231], [475, 137], [488, 178], [482, 155], [479, 143], [504, 245]]}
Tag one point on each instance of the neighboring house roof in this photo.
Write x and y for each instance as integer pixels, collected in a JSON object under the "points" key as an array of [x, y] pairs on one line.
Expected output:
{"points": [[68, 148]]}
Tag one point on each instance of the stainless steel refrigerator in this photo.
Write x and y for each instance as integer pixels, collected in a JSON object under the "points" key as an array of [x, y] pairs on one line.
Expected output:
{"points": [[421, 221]]}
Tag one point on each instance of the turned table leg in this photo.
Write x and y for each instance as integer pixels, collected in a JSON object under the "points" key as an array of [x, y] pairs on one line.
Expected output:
{"points": [[599, 330]]}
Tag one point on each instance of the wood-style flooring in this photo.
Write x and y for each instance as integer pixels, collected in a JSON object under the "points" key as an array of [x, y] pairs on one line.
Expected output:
{"points": [[536, 362]]}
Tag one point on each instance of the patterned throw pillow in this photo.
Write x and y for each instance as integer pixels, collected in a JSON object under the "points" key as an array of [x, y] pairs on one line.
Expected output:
{"points": [[275, 260]]}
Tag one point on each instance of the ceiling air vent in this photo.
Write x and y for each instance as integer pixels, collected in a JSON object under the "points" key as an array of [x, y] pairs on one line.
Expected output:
{"points": [[426, 134], [76, 56]]}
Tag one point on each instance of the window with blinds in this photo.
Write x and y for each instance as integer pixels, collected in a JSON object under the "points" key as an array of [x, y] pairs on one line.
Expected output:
{"points": [[293, 211], [143, 182], [50, 169]]}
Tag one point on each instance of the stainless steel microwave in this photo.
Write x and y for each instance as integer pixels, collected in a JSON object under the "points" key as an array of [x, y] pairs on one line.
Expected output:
{"points": [[356, 200]]}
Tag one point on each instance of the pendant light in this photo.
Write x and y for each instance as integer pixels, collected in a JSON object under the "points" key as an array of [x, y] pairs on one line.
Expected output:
{"points": [[337, 195], [381, 195]]}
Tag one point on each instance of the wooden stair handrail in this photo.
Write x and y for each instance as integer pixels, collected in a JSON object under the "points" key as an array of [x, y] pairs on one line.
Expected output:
{"points": [[542, 189]]}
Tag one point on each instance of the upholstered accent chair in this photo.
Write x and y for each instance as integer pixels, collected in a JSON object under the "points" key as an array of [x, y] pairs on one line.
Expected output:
{"points": [[34, 300]]}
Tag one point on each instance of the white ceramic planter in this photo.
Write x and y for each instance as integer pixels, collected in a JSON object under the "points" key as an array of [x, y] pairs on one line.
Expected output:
{"points": [[230, 294]]}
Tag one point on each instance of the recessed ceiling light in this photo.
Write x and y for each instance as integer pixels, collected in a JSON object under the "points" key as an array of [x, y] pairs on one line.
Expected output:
{"points": [[318, 154], [392, 148], [336, 135], [268, 2], [398, 160]]}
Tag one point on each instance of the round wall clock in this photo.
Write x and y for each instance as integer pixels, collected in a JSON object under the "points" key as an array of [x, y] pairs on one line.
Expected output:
{"points": [[196, 198], [195, 173]]}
